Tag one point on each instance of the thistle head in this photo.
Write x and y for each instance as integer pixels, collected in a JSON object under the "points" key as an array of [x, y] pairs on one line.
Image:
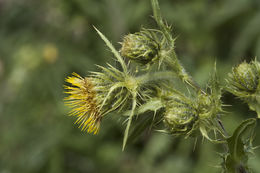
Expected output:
{"points": [[91, 98], [141, 47], [188, 116], [244, 79], [83, 99], [244, 82], [180, 115]]}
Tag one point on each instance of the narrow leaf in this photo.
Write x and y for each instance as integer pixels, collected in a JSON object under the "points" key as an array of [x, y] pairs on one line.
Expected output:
{"points": [[234, 142], [141, 125], [152, 105], [114, 51], [129, 122], [237, 158]]}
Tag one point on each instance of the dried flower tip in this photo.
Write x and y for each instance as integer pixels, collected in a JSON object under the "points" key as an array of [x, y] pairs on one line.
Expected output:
{"points": [[83, 101], [141, 47]]}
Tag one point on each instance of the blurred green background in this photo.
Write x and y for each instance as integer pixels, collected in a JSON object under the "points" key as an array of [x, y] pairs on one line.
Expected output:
{"points": [[43, 41]]}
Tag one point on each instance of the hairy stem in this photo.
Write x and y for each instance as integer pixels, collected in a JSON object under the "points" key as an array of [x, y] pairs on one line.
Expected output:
{"points": [[170, 56], [171, 59], [176, 66], [161, 75]]}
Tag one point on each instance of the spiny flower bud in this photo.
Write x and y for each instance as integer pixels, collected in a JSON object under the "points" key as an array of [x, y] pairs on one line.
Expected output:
{"points": [[180, 116], [187, 116], [141, 47], [244, 82], [245, 78]]}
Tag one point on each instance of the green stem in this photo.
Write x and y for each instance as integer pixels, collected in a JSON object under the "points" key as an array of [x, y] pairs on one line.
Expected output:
{"points": [[172, 59], [161, 24], [161, 75], [176, 66]]}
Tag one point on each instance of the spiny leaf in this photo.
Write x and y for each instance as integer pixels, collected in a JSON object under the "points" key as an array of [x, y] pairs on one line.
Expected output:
{"points": [[129, 122], [151, 105], [235, 140], [114, 51], [237, 157], [141, 125]]}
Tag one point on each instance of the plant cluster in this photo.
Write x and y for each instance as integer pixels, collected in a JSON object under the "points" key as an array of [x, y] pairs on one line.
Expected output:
{"points": [[146, 82]]}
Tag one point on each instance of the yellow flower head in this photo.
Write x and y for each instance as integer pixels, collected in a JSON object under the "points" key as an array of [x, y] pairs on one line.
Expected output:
{"points": [[83, 101]]}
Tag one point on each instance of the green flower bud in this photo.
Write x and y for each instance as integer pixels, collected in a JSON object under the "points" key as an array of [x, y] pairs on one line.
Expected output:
{"points": [[180, 116], [244, 82], [245, 78], [141, 47], [188, 117]]}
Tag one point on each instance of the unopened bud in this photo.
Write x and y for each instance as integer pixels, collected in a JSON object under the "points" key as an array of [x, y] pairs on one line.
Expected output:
{"points": [[189, 117], [244, 82], [180, 116], [245, 77], [141, 47]]}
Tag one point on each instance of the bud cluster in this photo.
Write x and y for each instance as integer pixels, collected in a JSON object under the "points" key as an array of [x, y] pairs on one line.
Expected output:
{"points": [[135, 92], [187, 116]]}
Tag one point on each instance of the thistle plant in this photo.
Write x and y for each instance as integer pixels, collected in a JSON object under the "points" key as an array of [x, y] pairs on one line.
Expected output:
{"points": [[190, 113]]}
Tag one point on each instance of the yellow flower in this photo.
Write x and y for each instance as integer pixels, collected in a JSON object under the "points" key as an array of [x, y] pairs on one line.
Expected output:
{"points": [[83, 101]]}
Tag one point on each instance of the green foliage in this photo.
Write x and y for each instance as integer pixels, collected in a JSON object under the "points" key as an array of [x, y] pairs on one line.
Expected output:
{"points": [[239, 147], [182, 115], [43, 41]]}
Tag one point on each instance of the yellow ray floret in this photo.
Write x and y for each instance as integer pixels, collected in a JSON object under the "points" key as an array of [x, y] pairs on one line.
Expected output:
{"points": [[82, 100]]}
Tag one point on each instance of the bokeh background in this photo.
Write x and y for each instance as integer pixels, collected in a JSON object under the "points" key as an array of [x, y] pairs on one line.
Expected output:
{"points": [[43, 41]]}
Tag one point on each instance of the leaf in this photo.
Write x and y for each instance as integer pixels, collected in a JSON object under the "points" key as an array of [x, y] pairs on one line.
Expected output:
{"points": [[234, 142], [143, 123], [152, 105], [146, 120], [129, 122], [114, 51], [237, 157]]}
